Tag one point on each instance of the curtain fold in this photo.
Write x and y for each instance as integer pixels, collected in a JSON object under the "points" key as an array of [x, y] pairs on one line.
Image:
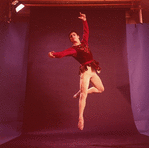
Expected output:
{"points": [[138, 59]]}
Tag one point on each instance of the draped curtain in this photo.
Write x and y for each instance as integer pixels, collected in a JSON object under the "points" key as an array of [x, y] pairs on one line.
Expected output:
{"points": [[138, 59], [13, 71]]}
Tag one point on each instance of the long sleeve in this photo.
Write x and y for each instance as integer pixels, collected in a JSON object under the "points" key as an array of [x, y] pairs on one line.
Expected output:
{"points": [[85, 32], [67, 52]]}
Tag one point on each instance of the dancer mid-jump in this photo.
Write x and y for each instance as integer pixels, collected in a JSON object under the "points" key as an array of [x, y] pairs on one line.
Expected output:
{"points": [[81, 52]]}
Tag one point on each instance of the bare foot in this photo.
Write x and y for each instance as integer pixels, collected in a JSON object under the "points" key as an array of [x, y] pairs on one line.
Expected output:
{"points": [[81, 124]]}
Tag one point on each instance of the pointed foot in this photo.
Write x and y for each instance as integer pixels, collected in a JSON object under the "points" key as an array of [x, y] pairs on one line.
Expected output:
{"points": [[81, 124], [77, 95]]}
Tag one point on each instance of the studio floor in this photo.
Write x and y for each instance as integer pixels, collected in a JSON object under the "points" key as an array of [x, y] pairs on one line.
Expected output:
{"points": [[79, 140]]}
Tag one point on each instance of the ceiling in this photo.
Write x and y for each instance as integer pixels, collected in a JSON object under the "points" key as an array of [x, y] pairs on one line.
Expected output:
{"points": [[132, 7]]}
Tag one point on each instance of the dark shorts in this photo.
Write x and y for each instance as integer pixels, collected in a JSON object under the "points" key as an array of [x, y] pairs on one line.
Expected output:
{"points": [[94, 64]]}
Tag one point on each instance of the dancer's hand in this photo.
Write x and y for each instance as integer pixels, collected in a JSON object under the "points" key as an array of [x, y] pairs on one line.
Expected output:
{"points": [[82, 17], [50, 54]]}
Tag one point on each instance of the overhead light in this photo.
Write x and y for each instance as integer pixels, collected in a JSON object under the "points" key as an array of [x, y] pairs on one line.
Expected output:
{"points": [[18, 5]]}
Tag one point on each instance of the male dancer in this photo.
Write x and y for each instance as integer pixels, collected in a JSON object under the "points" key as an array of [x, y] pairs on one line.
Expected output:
{"points": [[81, 52]]}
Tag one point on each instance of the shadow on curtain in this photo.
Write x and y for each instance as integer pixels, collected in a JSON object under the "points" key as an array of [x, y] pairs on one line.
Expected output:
{"points": [[138, 59]]}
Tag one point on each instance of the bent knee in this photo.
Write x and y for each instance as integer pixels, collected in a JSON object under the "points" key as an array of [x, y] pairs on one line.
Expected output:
{"points": [[101, 90]]}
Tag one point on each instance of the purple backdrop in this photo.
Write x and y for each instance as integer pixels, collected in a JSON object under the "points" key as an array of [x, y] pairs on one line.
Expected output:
{"points": [[13, 72], [138, 53], [51, 83]]}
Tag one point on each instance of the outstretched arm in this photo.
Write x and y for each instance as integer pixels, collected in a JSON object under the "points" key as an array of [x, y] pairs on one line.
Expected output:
{"points": [[67, 52]]}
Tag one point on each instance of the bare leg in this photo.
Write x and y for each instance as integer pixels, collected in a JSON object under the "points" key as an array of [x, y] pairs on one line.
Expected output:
{"points": [[97, 86], [84, 83]]}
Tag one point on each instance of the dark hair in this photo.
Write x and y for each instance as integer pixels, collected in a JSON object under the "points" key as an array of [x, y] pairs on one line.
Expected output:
{"points": [[72, 32]]}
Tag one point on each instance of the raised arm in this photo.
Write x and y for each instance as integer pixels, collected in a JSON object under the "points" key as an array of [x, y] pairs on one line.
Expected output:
{"points": [[82, 17], [85, 28]]}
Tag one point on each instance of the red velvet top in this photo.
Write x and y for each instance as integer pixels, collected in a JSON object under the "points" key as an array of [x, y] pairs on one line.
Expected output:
{"points": [[81, 52]]}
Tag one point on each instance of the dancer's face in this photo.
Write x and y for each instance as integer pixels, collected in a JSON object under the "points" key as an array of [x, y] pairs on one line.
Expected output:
{"points": [[74, 38]]}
